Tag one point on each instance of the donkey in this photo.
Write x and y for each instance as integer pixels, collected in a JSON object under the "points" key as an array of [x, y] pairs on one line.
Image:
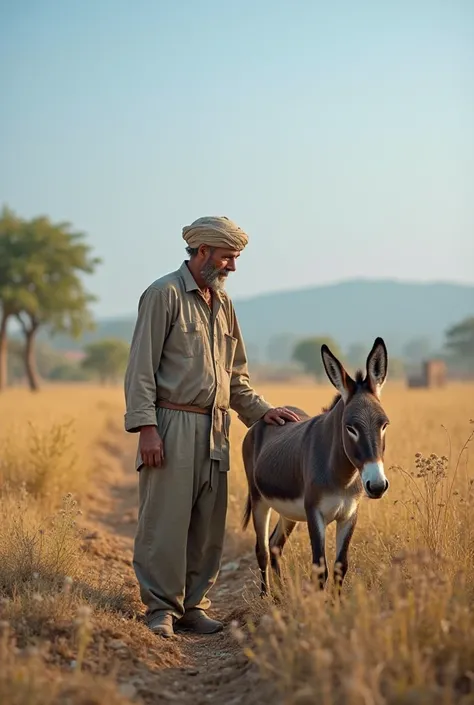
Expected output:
{"points": [[315, 470]]}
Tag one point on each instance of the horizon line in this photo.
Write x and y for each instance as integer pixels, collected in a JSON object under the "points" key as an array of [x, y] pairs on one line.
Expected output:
{"points": [[327, 285]]}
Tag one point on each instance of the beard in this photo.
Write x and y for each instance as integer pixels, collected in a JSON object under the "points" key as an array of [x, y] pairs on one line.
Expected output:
{"points": [[214, 277]]}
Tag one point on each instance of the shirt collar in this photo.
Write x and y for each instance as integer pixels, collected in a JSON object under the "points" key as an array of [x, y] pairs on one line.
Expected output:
{"points": [[189, 281]]}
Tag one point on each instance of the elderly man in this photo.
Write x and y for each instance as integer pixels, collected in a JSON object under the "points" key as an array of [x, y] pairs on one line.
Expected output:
{"points": [[187, 367]]}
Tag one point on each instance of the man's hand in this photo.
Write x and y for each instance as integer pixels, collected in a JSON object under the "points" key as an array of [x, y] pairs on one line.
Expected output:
{"points": [[279, 416], [151, 447]]}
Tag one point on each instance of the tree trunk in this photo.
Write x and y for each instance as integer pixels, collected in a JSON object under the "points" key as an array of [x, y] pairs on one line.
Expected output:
{"points": [[3, 352], [30, 325], [30, 359]]}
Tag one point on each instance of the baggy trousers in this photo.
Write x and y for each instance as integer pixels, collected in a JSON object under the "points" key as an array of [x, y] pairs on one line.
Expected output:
{"points": [[181, 518]]}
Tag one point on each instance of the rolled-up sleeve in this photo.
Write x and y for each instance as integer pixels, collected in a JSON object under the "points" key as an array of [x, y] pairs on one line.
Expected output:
{"points": [[145, 353], [249, 405]]}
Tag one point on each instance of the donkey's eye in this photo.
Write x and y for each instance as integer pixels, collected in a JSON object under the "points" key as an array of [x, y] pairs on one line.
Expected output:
{"points": [[352, 431], [384, 427]]}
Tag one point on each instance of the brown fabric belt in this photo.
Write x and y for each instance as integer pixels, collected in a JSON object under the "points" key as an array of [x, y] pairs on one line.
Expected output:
{"points": [[183, 407]]}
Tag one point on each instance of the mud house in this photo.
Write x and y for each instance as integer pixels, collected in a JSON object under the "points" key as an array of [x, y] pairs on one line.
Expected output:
{"points": [[433, 374]]}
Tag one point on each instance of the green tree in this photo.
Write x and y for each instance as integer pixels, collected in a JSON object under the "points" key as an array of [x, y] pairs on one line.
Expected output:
{"points": [[460, 342], [40, 283], [10, 273], [107, 359], [67, 371], [308, 354]]}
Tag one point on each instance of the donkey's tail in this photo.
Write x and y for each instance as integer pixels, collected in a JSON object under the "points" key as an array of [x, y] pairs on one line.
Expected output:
{"points": [[247, 512]]}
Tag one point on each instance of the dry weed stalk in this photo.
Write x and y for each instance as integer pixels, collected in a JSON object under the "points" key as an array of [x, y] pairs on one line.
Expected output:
{"points": [[443, 514], [31, 546]]}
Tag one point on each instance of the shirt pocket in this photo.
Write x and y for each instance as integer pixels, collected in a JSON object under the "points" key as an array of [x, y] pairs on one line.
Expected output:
{"points": [[230, 344], [192, 339]]}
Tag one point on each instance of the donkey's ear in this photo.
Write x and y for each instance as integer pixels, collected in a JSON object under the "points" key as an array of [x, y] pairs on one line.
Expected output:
{"points": [[377, 365], [343, 382]]}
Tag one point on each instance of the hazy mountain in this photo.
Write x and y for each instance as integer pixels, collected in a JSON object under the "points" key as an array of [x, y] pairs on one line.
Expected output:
{"points": [[352, 311], [358, 311]]}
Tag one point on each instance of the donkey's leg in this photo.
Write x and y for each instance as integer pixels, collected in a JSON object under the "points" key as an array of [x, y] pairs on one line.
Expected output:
{"points": [[278, 539], [344, 531], [261, 522], [317, 535]]}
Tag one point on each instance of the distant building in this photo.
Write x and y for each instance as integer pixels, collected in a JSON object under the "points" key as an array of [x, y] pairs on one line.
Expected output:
{"points": [[433, 374]]}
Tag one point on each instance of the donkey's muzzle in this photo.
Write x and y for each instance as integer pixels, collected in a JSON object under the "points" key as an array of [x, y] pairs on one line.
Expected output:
{"points": [[373, 479], [374, 491]]}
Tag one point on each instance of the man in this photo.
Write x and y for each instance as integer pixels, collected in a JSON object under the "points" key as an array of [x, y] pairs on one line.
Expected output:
{"points": [[187, 367]]}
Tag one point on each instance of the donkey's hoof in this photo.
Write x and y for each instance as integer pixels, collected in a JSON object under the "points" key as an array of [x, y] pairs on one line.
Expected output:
{"points": [[266, 593]]}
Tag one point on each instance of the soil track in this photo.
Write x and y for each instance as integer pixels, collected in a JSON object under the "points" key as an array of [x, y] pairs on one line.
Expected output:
{"points": [[193, 669]]}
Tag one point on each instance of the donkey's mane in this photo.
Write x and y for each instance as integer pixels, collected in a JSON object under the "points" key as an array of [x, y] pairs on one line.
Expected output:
{"points": [[327, 409], [359, 380]]}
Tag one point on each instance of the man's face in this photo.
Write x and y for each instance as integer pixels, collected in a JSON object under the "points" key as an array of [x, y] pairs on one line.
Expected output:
{"points": [[217, 264]]}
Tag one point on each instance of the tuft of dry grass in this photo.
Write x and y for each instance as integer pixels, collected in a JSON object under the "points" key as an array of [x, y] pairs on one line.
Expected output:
{"points": [[402, 632], [396, 643], [24, 680], [36, 551], [41, 461]]}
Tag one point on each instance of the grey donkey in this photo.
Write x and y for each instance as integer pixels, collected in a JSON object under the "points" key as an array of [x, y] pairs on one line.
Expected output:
{"points": [[317, 469]]}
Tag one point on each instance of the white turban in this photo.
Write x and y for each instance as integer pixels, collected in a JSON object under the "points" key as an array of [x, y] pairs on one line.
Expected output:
{"points": [[216, 232]]}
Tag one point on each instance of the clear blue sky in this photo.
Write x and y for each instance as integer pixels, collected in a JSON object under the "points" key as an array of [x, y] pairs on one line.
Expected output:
{"points": [[339, 135]]}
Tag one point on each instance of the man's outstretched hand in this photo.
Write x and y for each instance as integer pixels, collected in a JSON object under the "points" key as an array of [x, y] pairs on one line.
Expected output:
{"points": [[279, 416]]}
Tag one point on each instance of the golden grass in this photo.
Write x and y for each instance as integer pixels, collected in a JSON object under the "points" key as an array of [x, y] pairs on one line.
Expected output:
{"points": [[36, 549], [403, 630], [24, 680], [402, 633], [49, 440], [64, 606]]}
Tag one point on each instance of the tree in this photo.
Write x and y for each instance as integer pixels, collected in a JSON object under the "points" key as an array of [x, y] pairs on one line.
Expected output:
{"points": [[460, 342], [43, 264], [106, 358], [308, 354], [10, 268], [67, 371]]}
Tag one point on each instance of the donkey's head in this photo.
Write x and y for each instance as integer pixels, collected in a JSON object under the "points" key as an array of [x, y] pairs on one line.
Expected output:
{"points": [[363, 420]]}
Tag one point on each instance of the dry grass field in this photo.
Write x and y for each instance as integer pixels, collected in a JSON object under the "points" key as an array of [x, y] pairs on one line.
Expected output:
{"points": [[71, 629]]}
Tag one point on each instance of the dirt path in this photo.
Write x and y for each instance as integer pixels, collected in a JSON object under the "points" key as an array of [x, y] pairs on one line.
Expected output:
{"points": [[208, 669]]}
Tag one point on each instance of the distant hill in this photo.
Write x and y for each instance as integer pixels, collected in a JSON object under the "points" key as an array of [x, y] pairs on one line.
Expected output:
{"points": [[352, 311]]}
